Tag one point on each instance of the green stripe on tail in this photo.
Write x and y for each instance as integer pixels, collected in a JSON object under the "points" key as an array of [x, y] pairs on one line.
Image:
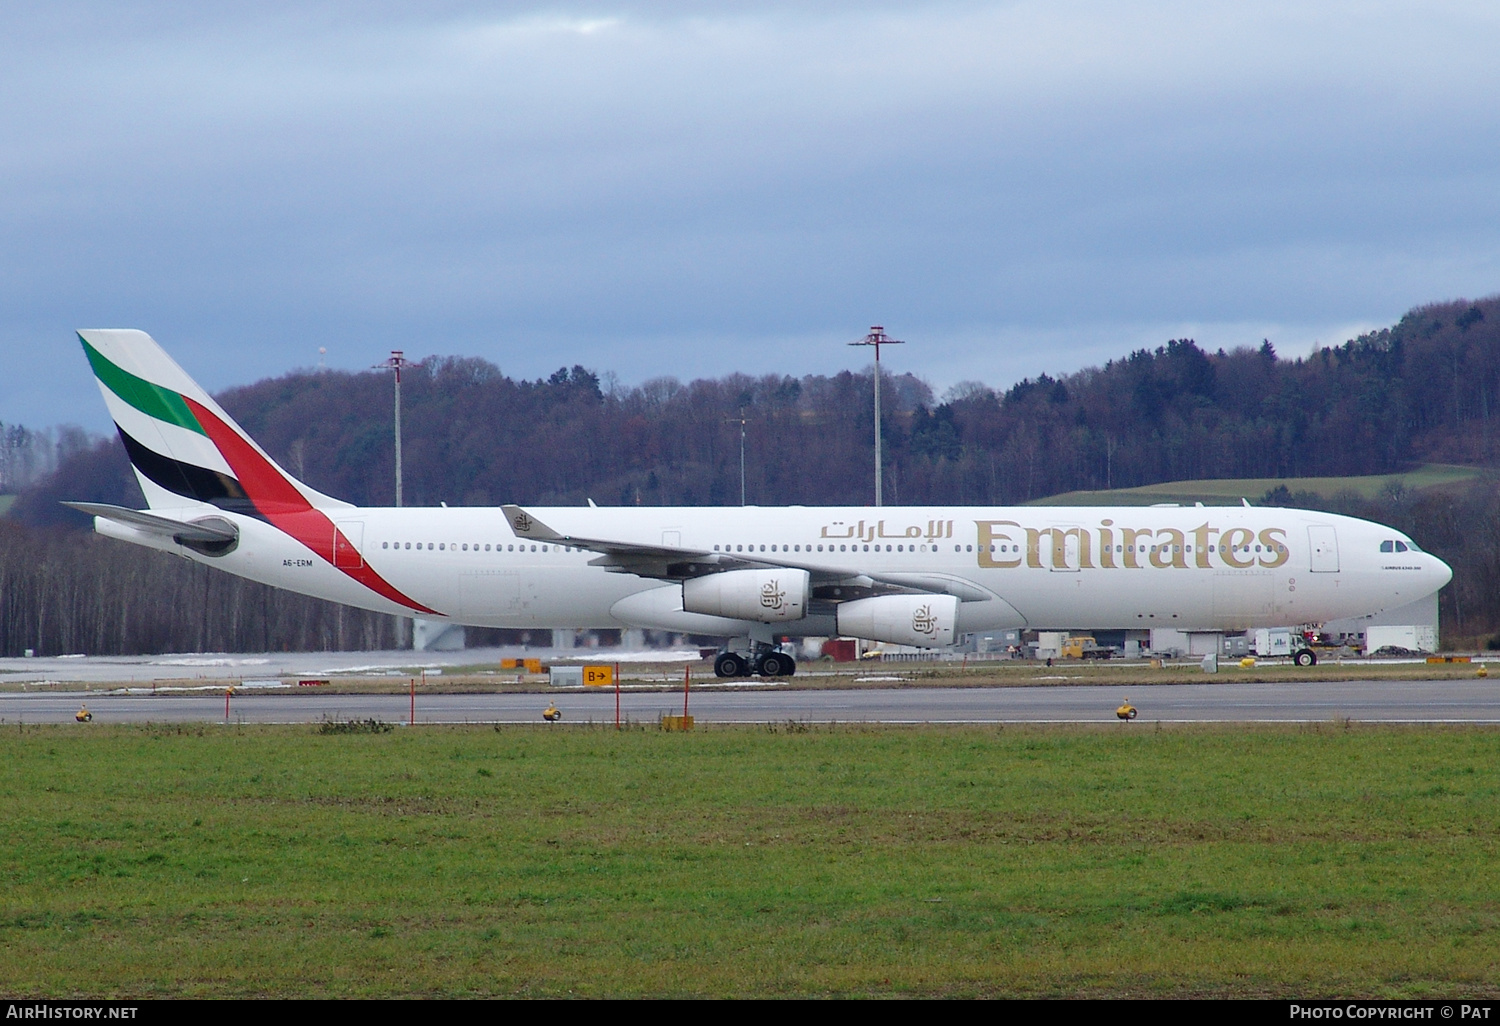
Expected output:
{"points": [[152, 400]]}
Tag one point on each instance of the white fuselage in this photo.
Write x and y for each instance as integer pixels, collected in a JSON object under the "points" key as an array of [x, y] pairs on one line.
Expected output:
{"points": [[1038, 567]]}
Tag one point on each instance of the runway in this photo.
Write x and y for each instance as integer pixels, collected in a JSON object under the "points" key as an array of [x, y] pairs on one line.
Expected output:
{"points": [[1385, 701]]}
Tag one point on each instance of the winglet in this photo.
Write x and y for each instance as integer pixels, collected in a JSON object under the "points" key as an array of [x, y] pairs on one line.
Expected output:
{"points": [[524, 525]]}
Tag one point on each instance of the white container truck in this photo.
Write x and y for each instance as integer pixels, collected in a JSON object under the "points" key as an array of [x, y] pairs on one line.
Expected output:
{"points": [[1273, 641], [1413, 638], [1284, 641]]}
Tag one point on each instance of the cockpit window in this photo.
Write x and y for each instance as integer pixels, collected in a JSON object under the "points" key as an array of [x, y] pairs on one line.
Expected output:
{"points": [[1400, 546], [1387, 546], [1412, 545]]}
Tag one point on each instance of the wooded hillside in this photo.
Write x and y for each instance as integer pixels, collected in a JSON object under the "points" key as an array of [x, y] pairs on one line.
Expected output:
{"points": [[1419, 391]]}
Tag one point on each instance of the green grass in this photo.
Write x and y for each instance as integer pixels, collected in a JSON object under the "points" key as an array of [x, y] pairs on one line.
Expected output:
{"points": [[1231, 490], [1314, 861]]}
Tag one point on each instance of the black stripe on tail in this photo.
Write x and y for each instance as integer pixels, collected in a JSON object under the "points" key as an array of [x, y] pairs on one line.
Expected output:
{"points": [[187, 480]]}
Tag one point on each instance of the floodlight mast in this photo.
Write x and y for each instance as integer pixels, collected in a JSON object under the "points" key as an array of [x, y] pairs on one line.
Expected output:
{"points": [[397, 361], [741, 420], [877, 338]]}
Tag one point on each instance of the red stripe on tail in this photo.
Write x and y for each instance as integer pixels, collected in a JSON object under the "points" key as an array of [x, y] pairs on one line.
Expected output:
{"points": [[288, 509]]}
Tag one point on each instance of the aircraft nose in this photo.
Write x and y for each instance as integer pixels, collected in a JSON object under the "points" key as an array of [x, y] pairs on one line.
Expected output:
{"points": [[1438, 573]]}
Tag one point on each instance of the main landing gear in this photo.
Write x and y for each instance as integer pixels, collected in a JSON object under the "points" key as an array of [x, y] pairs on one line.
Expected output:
{"points": [[765, 661]]}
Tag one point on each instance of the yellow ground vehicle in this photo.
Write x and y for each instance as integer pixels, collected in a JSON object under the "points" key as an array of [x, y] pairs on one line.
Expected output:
{"points": [[1083, 646]]}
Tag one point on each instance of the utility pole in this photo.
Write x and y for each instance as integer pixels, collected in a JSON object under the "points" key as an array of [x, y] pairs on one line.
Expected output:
{"points": [[877, 338], [741, 420], [397, 361]]}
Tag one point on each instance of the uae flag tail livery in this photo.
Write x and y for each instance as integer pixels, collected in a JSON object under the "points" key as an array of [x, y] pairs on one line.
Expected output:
{"points": [[193, 460]]}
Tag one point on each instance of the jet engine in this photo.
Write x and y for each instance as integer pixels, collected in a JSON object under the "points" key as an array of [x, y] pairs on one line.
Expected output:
{"points": [[767, 596], [927, 621]]}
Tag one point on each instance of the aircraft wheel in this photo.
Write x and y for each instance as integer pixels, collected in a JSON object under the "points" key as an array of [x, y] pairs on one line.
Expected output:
{"points": [[1306, 657], [730, 665], [774, 664]]}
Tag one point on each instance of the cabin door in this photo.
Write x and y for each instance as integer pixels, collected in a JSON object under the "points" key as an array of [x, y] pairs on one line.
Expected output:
{"points": [[1324, 545], [1069, 549], [348, 541]]}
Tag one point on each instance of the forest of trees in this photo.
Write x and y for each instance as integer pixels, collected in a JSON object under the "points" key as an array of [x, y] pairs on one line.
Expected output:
{"points": [[1419, 391], [26, 456]]}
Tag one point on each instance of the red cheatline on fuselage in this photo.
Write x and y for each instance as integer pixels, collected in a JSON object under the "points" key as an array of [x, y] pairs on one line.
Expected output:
{"points": [[286, 508]]}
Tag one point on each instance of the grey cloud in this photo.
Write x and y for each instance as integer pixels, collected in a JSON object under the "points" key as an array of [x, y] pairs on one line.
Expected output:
{"points": [[648, 187]]}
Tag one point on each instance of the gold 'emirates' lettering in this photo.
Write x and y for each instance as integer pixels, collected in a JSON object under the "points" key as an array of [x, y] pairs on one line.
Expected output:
{"points": [[1200, 543], [1235, 539], [988, 536], [1132, 544], [1164, 548], [1059, 538], [1278, 549], [1170, 553]]}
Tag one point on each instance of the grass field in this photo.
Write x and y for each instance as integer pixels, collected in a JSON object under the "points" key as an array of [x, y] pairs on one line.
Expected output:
{"points": [[1325, 860], [1229, 491]]}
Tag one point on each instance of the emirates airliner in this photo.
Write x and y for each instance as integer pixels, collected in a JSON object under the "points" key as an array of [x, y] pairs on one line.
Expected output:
{"points": [[919, 575]]}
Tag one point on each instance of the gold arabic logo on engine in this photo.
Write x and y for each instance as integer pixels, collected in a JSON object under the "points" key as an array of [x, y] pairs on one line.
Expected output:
{"points": [[923, 622], [522, 522], [771, 595]]}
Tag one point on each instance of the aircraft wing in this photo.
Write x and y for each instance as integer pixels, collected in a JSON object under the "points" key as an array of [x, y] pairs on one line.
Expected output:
{"points": [[153, 524], [666, 563]]}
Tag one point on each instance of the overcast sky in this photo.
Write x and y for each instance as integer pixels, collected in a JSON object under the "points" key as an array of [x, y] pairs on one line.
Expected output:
{"points": [[698, 188]]}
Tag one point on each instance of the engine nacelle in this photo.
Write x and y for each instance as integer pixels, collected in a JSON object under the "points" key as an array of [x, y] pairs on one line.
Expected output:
{"points": [[927, 621], [767, 596]]}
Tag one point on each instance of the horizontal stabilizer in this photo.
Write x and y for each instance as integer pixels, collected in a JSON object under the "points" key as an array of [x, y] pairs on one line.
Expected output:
{"points": [[164, 526]]}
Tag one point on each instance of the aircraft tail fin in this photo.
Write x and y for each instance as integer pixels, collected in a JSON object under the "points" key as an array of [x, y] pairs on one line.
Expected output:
{"points": [[185, 449]]}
